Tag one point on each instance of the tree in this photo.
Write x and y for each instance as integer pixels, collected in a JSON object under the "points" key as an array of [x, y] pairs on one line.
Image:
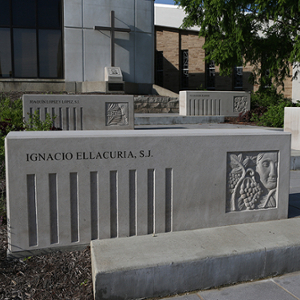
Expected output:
{"points": [[263, 32]]}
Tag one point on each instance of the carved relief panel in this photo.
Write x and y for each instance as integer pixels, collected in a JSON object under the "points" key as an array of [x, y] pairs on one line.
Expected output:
{"points": [[240, 104], [116, 114], [251, 180]]}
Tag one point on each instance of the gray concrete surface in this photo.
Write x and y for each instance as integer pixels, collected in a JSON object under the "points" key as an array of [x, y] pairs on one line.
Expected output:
{"points": [[184, 197], [173, 121], [170, 119], [248, 252], [283, 253], [284, 287]]}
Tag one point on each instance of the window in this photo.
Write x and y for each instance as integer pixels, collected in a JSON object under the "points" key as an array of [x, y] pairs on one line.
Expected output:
{"points": [[238, 77], [266, 80], [210, 75], [5, 53], [159, 68], [185, 68], [31, 39]]}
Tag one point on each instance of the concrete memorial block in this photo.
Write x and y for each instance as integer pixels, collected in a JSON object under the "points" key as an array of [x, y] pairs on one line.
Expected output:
{"points": [[113, 74], [292, 125], [114, 79], [83, 112], [67, 188], [229, 104]]}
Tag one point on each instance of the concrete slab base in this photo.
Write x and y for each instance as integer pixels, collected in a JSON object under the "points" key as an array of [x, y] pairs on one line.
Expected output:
{"points": [[169, 119], [171, 263]]}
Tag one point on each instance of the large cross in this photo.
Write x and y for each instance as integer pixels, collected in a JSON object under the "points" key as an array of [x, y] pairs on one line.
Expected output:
{"points": [[112, 30]]}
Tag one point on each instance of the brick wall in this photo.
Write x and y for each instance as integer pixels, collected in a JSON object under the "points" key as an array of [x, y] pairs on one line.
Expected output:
{"points": [[171, 41]]}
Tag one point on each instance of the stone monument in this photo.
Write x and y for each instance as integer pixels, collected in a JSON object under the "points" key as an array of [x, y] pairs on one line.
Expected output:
{"points": [[82, 112], [206, 103], [66, 188]]}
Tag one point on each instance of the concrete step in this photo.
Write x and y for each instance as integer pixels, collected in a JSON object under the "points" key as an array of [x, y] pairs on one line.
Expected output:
{"points": [[178, 262]]}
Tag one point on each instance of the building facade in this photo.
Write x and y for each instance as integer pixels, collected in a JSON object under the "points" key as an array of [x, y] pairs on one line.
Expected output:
{"points": [[179, 59], [50, 45]]}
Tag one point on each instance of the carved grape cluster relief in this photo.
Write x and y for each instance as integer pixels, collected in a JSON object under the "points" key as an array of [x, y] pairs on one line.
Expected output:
{"points": [[240, 104], [252, 181], [116, 114]]}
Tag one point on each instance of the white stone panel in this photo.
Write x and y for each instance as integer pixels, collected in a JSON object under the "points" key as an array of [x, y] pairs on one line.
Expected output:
{"points": [[140, 182], [296, 85], [125, 57], [292, 125], [144, 16], [73, 13], [74, 54], [144, 58], [96, 54], [97, 13]]}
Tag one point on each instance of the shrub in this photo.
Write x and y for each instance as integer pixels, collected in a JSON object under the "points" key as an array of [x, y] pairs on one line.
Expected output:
{"points": [[266, 97], [274, 116], [267, 107], [35, 124], [11, 119]]}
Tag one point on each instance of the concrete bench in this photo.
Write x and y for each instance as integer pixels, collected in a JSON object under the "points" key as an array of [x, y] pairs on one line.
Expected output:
{"points": [[82, 112], [67, 188], [215, 103], [179, 262]]}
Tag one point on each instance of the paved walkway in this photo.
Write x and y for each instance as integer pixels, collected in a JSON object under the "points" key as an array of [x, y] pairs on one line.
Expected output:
{"points": [[286, 287]]}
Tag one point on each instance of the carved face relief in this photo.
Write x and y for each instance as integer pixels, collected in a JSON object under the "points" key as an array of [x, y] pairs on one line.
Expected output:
{"points": [[266, 167], [251, 180]]}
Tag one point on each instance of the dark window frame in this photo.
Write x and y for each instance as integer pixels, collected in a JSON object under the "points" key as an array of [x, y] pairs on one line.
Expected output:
{"points": [[238, 82], [159, 68], [59, 28], [211, 75], [184, 68]]}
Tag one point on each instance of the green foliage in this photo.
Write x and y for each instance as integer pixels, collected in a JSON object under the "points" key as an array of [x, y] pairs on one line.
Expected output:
{"points": [[263, 32], [11, 119], [27, 258], [35, 124], [274, 117], [266, 97], [11, 112], [267, 107]]}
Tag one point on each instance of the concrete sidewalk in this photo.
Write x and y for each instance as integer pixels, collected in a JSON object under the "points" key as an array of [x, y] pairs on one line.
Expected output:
{"points": [[286, 287]]}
